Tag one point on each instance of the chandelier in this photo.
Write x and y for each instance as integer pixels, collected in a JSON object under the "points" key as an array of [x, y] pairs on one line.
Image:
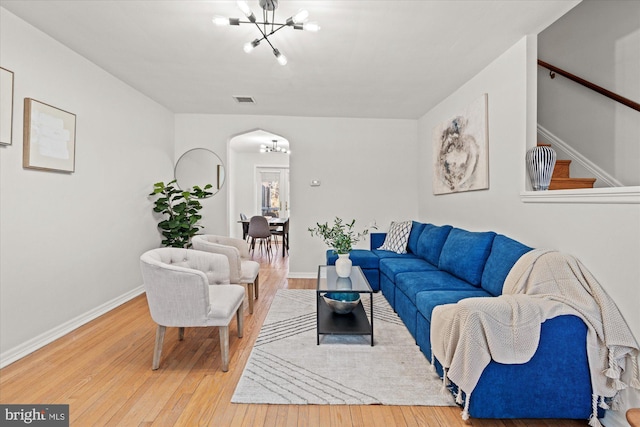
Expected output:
{"points": [[268, 28], [274, 148]]}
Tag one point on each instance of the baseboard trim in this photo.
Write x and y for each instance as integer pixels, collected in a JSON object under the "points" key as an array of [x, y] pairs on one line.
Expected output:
{"points": [[302, 275], [20, 351]]}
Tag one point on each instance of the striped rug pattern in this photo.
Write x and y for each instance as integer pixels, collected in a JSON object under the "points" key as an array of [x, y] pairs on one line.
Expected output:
{"points": [[287, 367]]}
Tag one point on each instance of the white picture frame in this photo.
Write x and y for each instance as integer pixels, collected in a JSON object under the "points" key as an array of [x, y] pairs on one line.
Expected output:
{"points": [[6, 106], [49, 137]]}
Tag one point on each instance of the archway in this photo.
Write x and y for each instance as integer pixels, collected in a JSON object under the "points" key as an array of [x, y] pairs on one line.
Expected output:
{"points": [[246, 164]]}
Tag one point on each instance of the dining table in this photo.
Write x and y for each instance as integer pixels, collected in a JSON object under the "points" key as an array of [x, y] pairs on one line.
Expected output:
{"points": [[273, 222]]}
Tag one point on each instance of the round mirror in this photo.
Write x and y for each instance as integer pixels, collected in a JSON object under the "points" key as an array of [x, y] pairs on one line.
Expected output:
{"points": [[200, 167]]}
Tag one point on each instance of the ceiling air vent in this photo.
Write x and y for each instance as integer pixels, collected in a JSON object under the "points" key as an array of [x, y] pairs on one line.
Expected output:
{"points": [[244, 100]]}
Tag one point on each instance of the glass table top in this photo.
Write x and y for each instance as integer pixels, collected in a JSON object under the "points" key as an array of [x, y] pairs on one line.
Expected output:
{"points": [[328, 280]]}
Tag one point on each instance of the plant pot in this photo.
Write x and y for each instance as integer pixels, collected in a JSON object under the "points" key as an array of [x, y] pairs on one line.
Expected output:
{"points": [[343, 265]]}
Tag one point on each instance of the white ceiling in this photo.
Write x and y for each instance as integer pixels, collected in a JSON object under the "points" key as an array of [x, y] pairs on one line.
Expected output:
{"points": [[381, 59]]}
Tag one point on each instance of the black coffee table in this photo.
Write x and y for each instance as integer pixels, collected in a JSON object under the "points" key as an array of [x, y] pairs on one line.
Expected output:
{"points": [[355, 323]]}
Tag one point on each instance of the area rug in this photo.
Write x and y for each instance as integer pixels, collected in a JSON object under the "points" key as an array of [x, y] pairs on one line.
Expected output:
{"points": [[286, 366]]}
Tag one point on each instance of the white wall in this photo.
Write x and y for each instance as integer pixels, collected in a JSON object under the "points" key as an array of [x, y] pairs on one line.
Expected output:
{"points": [[70, 243], [600, 42], [366, 167], [605, 237]]}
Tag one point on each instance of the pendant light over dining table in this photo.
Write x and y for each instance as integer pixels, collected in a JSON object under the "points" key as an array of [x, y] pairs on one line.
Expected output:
{"points": [[268, 26]]}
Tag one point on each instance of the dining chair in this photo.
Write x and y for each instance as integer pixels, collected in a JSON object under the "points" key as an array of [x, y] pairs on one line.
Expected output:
{"points": [[259, 230], [190, 288], [245, 226], [282, 231], [242, 269]]}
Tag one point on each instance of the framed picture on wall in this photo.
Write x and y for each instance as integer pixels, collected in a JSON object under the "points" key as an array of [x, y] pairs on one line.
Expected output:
{"points": [[6, 106], [49, 137], [461, 150]]}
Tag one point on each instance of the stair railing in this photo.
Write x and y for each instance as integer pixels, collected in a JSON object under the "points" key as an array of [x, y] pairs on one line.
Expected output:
{"points": [[621, 99]]}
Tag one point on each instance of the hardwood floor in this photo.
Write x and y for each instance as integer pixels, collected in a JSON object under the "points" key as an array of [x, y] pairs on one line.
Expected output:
{"points": [[103, 371]]}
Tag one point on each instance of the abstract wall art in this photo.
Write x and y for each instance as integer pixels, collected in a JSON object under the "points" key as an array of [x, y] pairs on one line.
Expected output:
{"points": [[460, 151]]}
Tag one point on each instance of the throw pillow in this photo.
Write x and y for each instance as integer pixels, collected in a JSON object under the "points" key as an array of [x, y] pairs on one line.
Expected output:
{"points": [[397, 237]]}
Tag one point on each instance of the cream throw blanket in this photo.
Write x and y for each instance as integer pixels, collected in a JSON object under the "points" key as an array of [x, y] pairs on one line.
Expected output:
{"points": [[542, 284]]}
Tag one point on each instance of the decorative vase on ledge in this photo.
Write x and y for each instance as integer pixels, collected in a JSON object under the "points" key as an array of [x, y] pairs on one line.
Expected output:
{"points": [[540, 163], [343, 265]]}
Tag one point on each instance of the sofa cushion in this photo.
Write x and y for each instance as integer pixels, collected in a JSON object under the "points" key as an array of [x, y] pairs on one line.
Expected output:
{"points": [[416, 231], [504, 254], [397, 237], [376, 240], [465, 253], [412, 283], [392, 266], [360, 257], [431, 241], [426, 301]]}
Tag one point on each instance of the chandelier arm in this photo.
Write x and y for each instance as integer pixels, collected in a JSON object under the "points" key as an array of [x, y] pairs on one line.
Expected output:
{"points": [[261, 23], [269, 41], [273, 18], [264, 35], [281, 26], [266, 20]]}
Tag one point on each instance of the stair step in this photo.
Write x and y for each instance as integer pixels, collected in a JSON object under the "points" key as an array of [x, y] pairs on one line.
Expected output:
{"points": [[561, 170], [571, 183]]}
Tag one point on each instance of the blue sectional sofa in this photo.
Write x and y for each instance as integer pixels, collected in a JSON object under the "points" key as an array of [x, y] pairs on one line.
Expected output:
{"points": [[445, 264]]}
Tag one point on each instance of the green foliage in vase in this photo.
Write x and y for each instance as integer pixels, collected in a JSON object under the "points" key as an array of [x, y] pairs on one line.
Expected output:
{"points": [[340, 236], [182, 212]]}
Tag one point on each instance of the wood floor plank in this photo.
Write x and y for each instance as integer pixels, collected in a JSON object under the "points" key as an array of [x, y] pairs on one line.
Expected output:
{"points": [[103, 371]]}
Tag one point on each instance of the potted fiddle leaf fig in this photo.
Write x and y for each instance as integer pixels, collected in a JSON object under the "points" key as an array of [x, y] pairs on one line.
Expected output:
{"points": [[181, 210]]}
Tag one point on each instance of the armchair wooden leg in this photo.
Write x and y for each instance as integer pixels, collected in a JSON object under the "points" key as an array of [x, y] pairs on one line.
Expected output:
{"points": [[255, 286], [240, 320], [224, 347], [180, 334], [251, 291], [157, 350]]}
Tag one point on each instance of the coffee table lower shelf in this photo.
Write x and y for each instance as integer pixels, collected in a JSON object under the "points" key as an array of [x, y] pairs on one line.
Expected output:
{"points": [[330, 323]]}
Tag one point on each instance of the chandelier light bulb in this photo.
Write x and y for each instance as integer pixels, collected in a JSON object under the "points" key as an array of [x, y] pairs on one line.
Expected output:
{"points": [[299, 17], [311, 26], [282, 60], [249, 46], [221, 20], [244, 7]]}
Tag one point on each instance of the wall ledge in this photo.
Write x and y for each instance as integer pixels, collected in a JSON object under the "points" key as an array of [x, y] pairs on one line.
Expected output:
{"points": [[609, 195]]}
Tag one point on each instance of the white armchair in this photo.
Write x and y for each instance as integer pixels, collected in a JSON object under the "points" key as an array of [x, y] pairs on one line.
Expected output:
{"points": [[242, 269], [187, 288]]}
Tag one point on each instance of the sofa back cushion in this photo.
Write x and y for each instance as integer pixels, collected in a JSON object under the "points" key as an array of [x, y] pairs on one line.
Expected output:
{"points": [[504, 254], [464, 254], [376, 240], [430, 242], [416, 231]]}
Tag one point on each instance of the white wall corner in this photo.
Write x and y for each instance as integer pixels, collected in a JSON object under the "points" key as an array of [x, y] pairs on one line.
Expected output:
{"points": [[532, 100]]}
